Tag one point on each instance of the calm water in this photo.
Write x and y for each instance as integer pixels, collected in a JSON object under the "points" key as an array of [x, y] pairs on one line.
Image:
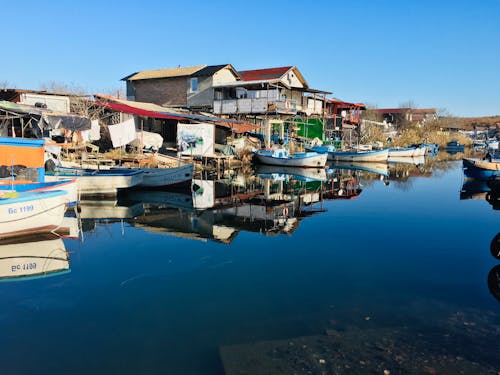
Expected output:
{"points": [[164, 292]]}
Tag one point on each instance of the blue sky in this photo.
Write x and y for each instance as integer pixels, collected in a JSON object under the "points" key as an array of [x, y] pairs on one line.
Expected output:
{"points": [[442, 54]]}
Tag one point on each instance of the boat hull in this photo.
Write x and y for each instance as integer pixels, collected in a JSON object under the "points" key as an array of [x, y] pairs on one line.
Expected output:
{"points": [[407, 152], [300, 174], [32, 212], [69, 186], [161, 177], [480, 169], [98, 182], [370, 156], [309, 160]]}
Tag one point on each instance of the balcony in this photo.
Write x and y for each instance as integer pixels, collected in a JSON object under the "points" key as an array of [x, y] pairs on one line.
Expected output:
{"points": [[259, 105]]}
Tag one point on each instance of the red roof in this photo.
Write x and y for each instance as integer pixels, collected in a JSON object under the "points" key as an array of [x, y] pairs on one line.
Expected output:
{"points": [[264, 74]]}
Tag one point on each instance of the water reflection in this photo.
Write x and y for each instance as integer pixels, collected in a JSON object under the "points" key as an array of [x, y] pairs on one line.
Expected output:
{"points": [[271, 200], [494, 282], [33, 257]]}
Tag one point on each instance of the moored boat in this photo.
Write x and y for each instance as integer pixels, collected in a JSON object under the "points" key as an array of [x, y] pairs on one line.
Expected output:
{"points": [[371, 156], [98, 182], [282, 157], [454, 147], [69, 186], [162, 177], [407, 152], [31, 212], [481, 169]]}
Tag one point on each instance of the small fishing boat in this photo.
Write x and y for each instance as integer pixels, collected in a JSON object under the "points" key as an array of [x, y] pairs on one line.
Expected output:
{"points": [[163, 177], [282, 157], [31, 212], [371, 156], [338, 155], [454, 147], [98, 182], [407, 152], [31, 257], [481, 169], [69, 186], [431, 148]]}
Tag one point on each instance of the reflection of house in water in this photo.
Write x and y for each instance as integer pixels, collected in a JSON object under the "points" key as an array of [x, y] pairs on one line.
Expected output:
{"points": [[403, 171], [33, 257]]}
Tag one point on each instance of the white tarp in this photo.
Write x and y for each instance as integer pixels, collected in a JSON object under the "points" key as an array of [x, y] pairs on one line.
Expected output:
{"points": [[148, 140], [122, 133], [94, 134], [196, 139]]}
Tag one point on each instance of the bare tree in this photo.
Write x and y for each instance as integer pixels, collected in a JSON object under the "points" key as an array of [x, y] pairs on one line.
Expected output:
{"points": [[4, 85]]}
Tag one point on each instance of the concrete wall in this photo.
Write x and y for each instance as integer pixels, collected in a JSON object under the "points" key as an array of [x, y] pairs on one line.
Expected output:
{"points": [[165, 91], [57, 103], [204, 96]]}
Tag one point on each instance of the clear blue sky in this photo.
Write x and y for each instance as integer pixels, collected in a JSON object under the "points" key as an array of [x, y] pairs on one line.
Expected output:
{"points": [[442, 54]]}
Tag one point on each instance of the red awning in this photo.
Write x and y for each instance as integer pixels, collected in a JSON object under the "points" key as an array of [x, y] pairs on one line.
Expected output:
{"points": [[137, 111]]}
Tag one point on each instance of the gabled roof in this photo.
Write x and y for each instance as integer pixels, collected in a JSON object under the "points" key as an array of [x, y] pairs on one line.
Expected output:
{"points": [[164, 73], [264, 74], [210, 70], [271, 74], [188, 71]]}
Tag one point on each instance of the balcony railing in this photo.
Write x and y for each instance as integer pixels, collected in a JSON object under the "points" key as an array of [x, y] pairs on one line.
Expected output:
{"points": [[261, 105]]}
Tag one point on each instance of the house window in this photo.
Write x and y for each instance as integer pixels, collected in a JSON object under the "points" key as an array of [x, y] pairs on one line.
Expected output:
{"points": [[194, 84]]}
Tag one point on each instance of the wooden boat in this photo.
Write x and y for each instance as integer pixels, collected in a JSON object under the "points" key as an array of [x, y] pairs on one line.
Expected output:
{"points": [[371, 156], [407, 152], [288, 173], [162, 177], [31, 212], [32, 257], [98, 182], [69, 186], [481, 169], [282, 157]]}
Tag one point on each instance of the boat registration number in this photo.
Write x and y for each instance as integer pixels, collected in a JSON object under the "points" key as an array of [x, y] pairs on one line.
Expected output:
{"points": [[23, 267], [22, 209]]}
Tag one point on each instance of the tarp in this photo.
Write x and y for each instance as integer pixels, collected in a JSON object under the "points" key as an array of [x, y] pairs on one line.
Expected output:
{"points": [[20, 108], [53, 121], [122, 133], [148, 140]]}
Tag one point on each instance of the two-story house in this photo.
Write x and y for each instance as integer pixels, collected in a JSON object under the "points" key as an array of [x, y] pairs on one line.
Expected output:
{"points": [[183, 87]]}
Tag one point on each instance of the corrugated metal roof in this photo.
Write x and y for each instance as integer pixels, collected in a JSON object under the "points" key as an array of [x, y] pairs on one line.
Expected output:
{"points": [[264, 74], [165, 73]]}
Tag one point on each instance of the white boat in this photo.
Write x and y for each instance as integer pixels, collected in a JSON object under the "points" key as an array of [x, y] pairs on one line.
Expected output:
{"points": [[407, 151], [29, 257], [69, 186], [161, 177], [371, 156], [98, 182], [31, 212], [282, 157]]}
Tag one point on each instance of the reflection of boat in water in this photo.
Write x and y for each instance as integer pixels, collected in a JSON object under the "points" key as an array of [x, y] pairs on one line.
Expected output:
{"points": [[109, 209], [495, 246], [33, 257], [160, 198], [494, 282], [415, 160], [372, 167], [290, 173], [474, 189]]}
